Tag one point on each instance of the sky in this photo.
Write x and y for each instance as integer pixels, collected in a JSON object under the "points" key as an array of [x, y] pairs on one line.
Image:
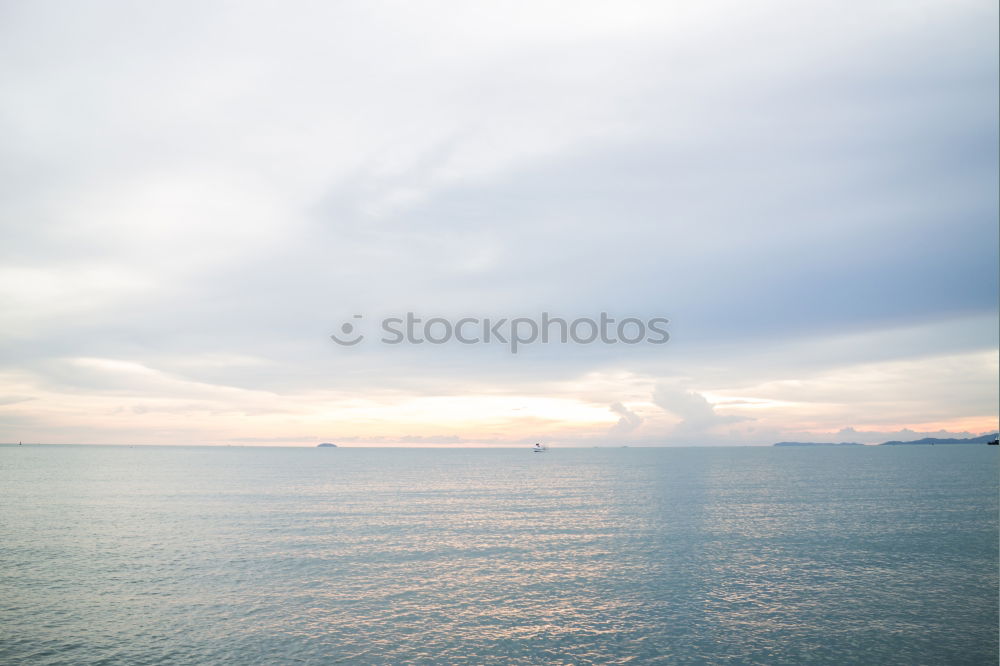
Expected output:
{"points": [[197, 195]]}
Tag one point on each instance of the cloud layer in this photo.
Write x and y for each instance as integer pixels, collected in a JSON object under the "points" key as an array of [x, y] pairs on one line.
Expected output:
{"points": [[195, 197]]}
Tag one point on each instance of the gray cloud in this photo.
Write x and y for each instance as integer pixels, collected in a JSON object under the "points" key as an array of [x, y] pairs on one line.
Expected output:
{"points": [[796, 188], [628, 422], [696, 413]]}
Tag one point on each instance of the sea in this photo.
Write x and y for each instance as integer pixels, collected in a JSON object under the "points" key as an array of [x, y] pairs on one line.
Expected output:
{"points": [[256, 555]]}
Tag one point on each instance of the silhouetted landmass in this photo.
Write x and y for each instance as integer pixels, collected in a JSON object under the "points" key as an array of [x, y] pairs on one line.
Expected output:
{"points": [[982, 439], [327, 445], [818, 444]]}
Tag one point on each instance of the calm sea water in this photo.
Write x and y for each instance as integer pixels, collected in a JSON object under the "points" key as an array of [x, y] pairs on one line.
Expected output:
{"points": [[186, 555]]}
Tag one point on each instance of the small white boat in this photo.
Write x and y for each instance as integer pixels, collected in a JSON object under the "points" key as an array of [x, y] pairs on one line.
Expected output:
{"points": [[539, 448]]}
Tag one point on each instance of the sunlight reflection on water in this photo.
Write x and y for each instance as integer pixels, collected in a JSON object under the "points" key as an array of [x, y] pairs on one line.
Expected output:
{"points": [[199, 555]]}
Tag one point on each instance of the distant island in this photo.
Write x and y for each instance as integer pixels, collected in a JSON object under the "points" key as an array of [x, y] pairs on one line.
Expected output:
{"points": [[982, 439], [326, 445]]}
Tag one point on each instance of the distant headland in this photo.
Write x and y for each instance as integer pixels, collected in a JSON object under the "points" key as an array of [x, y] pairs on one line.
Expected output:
{"points": [[326, 445], [982, 439]]}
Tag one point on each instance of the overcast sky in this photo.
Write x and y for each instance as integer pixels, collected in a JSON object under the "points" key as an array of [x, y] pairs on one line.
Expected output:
{"points": [[195, 196]]}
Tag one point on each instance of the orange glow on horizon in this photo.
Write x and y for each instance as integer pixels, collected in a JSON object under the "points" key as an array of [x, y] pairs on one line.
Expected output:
{"points": [[972, 424]]}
